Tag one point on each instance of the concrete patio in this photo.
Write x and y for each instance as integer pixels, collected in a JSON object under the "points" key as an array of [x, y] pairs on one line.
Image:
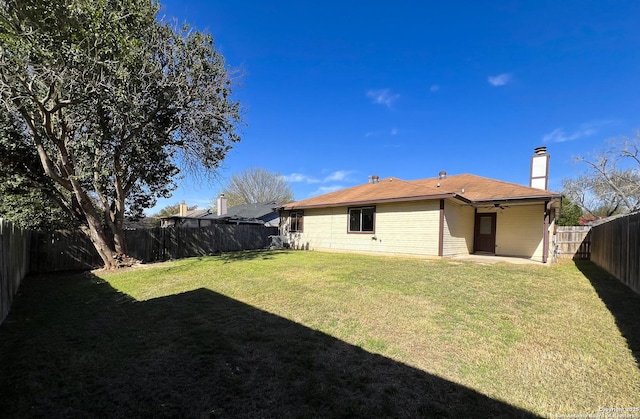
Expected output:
{"points": [[492, 259]]}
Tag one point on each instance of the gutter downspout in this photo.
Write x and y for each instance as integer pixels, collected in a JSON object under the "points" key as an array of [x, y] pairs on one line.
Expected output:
{"points": [[545, 233], [441, 231]]}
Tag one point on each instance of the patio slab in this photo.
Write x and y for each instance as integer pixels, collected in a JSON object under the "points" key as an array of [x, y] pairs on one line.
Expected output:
{"points": [[491, 259]]}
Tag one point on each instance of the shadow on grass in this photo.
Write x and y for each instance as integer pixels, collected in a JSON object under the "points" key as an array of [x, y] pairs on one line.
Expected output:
{"points": [[75, 347], [621, 301], [245, 255]]}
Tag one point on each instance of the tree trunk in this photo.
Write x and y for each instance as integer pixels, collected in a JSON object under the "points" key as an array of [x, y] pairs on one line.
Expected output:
{"points": [[118, 223], [98, 238], [94, 229]]}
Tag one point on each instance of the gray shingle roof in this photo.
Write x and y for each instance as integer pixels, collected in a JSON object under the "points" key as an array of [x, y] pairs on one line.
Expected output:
{"points": [[256, 211]]}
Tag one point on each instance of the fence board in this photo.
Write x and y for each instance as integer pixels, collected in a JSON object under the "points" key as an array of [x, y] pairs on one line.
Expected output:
{"points": [[616, 248], [574, 242], [58, 251], [14, 263]]}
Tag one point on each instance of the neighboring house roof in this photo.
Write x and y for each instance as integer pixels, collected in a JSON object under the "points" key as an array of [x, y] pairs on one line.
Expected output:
{"points": [[203, 213], [195, 213], [263, 211], [257, 210], [467, 188], [255, 213]]}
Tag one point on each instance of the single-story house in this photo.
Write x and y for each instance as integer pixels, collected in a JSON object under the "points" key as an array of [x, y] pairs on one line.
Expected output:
{"points": [[259, 213], [265, 212], [441, 216], [187, 218]]}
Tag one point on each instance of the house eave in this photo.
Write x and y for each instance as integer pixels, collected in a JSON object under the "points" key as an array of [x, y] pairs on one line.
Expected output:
{"points": [[473, 202], [524, 200], [371, 201]]}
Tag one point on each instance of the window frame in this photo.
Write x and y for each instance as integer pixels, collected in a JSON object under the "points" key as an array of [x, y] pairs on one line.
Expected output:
{"points": [[372, 231], [298, 216]]}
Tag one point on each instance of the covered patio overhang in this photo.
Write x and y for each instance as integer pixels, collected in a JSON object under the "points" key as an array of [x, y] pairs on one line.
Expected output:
{"points": [[550, 202]]}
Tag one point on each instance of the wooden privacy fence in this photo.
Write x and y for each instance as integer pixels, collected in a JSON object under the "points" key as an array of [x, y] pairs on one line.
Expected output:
{"points": [[574, 242], [62, 250], [14, 263], [615, 247]]}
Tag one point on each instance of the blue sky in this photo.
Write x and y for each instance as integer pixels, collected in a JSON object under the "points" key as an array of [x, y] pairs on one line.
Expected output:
{"points": [[335, 91]]}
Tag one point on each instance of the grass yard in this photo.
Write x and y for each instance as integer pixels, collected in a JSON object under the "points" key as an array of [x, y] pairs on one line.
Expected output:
{"points": [[310, 334]]}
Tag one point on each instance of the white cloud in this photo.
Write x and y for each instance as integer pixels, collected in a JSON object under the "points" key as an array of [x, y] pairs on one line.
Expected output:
{"points": [[326, 189], [298, 177], [588, 129], [338, 175], [559, 135], [434, 88], [499, 80], [383, 97]]}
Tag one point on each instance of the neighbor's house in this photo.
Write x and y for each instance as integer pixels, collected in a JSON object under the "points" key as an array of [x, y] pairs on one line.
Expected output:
{"points": [[187, 218], [259, 213], [443, 216], [265, 212]]}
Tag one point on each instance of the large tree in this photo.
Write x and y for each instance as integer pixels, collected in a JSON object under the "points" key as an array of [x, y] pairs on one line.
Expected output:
{"points": [[30, 208], [104, 105], [611, 182], [255, 185]]}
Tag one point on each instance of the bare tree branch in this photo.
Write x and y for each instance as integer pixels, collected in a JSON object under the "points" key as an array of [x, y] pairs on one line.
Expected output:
{"points": [[611, 182]]}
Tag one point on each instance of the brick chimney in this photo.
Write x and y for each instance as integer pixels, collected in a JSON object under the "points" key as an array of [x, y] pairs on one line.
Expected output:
{"points": [[183, 209], [221, 205]]}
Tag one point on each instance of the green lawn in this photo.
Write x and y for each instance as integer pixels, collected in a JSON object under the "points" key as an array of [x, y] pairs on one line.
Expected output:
{"points": [[304, 334]]}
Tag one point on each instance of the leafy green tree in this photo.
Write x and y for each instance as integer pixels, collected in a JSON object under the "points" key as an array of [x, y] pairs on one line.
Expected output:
{"points": [[569, 214], [256, 185], [31, 208], [103, 105]]}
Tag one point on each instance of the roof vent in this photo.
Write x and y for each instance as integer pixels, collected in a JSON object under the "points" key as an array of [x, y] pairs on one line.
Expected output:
{"points": [[375, 179], [442, 174]]}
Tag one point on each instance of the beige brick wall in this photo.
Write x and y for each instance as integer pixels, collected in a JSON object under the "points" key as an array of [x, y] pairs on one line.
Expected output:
{"points": [[400, 228], [458, 231], [412, 228], [519, 231]]}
